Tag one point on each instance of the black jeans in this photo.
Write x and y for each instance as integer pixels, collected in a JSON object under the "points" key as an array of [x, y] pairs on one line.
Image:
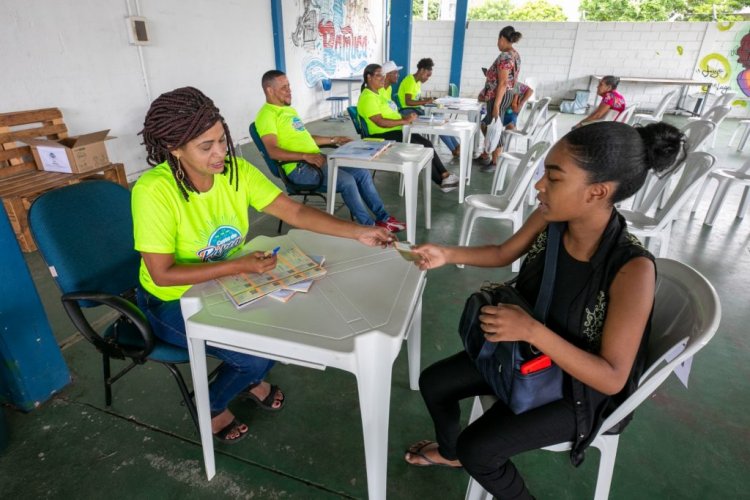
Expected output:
{"points": [[485, 446], [438, 169]]}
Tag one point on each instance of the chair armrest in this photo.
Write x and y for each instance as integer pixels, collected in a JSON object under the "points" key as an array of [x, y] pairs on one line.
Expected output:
{"points": [[127, 310]]}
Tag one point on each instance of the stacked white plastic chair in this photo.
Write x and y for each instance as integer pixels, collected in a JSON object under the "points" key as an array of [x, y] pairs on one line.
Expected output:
{"points": [[687, 313], [715, 115], [658, 114], [658, 228], [508, 205], [528, 129], [547, 132], [743, 128], [726, 178]]}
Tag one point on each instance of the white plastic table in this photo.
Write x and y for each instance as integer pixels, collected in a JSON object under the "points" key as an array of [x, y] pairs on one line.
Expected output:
{"points": [[354, 319], [397, 158], [472, 108], [461, 129]]}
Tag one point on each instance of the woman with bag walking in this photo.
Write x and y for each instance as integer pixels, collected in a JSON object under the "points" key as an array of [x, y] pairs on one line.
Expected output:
{"points": [[500, 79], [598, 320]]}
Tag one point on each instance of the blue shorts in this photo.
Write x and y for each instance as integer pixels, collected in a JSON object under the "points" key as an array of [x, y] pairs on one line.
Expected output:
{"points": [[509, 118]]}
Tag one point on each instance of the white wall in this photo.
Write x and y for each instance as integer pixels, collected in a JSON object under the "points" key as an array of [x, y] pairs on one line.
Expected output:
{"points": [[74, 54], [435, 34], [561, 56]]}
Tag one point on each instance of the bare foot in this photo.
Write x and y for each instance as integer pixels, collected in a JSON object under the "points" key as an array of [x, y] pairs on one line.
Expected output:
{"points": [[425, 453]]}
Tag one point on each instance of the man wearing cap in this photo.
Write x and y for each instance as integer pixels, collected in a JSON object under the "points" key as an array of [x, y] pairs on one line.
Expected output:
{"points": [[390, 70]]}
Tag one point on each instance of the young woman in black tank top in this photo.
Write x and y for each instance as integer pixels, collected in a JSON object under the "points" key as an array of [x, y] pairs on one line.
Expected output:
{"points": [[600, 312]]}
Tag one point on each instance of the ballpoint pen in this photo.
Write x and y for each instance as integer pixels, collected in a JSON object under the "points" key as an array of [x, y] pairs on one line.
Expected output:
{"points": [[273, 252]]}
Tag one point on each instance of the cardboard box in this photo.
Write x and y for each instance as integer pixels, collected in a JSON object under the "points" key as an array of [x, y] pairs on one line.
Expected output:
{"points": [[71, 155]]}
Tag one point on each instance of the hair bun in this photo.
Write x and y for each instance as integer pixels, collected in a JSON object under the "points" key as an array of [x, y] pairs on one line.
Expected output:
{"points": [[664, 146]]}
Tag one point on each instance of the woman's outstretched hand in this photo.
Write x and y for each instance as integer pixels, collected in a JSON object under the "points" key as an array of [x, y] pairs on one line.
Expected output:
{"points": [[374, 236], [506, 323], [432, 256]]}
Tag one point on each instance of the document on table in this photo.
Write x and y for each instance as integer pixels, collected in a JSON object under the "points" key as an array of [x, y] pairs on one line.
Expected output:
{"points": [[292, 266], [361, 150]]}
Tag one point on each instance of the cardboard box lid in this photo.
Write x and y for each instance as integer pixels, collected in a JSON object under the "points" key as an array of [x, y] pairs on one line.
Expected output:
{"points": [[86, 139], [70, 142]]}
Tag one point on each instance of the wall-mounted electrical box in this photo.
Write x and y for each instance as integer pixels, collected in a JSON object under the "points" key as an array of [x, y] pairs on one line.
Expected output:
{"points": [[137, 30]]}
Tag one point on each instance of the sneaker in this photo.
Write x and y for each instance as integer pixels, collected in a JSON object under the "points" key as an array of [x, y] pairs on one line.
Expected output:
{"points": [[450, 181], [391, 224], [448, 189]]}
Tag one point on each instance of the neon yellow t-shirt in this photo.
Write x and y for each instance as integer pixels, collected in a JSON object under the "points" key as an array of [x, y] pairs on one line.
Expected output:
{"points": [[371, 104], [387, 92], [209, 227], [290, 132], [411, 86]]}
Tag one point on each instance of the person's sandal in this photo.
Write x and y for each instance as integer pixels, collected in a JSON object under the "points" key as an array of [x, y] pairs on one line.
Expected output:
{"points": [[266, 403], [417, 450], [231, 429]]}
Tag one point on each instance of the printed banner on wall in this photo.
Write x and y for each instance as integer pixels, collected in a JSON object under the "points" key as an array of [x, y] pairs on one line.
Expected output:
{"points": [[729, 68], [338, 36]]}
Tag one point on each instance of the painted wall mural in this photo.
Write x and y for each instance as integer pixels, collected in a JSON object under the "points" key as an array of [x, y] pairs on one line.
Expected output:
{"points": [[338, 36], [730, 69]]}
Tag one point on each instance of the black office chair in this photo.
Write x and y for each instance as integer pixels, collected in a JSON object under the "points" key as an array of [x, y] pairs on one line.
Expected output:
{"points": [[85, 234], [276, 169]]}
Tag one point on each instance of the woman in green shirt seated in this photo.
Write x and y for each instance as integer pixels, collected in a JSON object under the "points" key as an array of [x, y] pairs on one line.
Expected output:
{"points": [[190, 212], [382, 121]]}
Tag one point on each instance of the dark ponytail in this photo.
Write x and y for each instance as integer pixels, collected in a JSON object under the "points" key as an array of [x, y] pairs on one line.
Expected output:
{"points": [[510, 34], [613, 151], [370, 70]]}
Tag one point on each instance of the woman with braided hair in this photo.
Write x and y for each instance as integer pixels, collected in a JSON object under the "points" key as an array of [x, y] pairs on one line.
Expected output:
{"points": [[190, 212]]}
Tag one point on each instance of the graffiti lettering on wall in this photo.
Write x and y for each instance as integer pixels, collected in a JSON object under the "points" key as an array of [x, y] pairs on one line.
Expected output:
{"points": [[338, 37], [729, 68]]}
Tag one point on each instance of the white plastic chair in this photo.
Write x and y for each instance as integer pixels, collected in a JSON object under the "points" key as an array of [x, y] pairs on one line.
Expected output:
{"points": [[528, 129], [725, 178], [509, 204], [659, 227], [547, 132], [687, 313], [627, 114], [744, 126], [725, 99], [658, 113], [716, 115]]}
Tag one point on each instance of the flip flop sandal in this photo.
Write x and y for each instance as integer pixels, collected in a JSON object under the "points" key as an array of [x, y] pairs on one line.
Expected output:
{"points": [[223, 436], [267, 402], [416, 450]]}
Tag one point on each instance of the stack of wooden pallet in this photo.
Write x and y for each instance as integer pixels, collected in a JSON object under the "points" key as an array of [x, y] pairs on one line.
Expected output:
{"points": [[20, 180]]}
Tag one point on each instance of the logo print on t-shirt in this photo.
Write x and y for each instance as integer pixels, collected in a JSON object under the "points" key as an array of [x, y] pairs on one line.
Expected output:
{"points": [[297, 124], [223, 239]]}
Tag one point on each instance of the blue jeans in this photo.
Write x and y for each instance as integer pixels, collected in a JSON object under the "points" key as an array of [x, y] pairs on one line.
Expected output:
{"points": [[449, 141], [354, 184], [237, 371]]}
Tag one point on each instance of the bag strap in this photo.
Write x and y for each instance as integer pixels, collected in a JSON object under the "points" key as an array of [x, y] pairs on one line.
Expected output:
{"points": [[544, 299]]}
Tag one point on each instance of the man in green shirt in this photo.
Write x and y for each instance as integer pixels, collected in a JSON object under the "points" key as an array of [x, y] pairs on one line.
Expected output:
{"points": [[288, 141], [390, 70], [410, 93]]}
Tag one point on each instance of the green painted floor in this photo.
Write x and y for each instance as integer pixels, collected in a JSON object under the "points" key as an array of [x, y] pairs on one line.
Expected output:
{"points": [[684, 443]]}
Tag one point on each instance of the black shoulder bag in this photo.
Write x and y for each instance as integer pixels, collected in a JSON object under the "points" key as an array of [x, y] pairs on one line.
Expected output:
{"points": [[519, 374]]}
